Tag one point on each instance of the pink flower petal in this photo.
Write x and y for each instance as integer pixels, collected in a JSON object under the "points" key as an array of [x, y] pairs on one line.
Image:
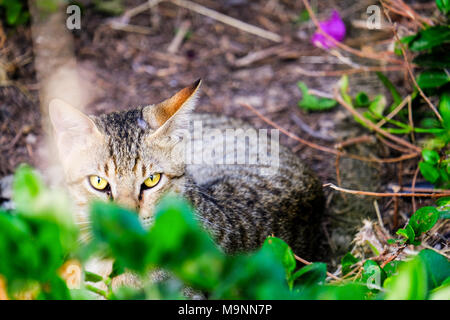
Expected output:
{"points": [[334, 27]]}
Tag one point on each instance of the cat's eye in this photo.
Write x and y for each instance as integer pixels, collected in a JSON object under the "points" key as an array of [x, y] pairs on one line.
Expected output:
{"points": [[98, 183], [153, 180]]}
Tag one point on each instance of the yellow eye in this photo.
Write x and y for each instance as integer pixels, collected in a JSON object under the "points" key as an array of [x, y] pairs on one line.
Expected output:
{"points": [[98, 183], [153, 180]]}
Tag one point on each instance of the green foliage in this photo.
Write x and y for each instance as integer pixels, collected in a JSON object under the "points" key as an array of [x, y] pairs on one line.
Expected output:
{"points": [[120, 231], [420, 278], [302, 17], [435, 59], [14, 11], [37, 238], [420, 222], [444, 6], [434, 170], [432, 46], [310, 102], [409, 284], [347, 262], [392, 89], [432, 79], [112, 7], [437, 266], [428, 38], [362, 100]]}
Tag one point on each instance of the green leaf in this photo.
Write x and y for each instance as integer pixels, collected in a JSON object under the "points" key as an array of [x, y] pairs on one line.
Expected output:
{"points": [[34, 200], [391, 268], [312, 103], [442, 202], [441, 293], [92, 277], [361, 100], [27, 186], [429, 38], [423, 220], [315, 273], [349, 291], [373, 276], [444, 214], [444, 6], [408, 233], [27, 244], [378, 105], [430, 156], [113, 7], [343, 86], [256, 276], [435, 143], [175, 230], [55, 289], [410, 283], [303, 16], [438, 267], [283, 252], [119, 230], [429, 172], [429, 123], [433, 60], [432, 79], [13, 10], [347, 261], [444, 109], [388, 84]]}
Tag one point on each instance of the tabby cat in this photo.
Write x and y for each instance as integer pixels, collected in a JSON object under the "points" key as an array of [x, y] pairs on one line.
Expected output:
{"points": [[132, 157]]}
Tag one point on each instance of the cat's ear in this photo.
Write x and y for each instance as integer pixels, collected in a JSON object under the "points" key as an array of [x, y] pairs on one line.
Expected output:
{"points": [[173, 113], [72, 128]]}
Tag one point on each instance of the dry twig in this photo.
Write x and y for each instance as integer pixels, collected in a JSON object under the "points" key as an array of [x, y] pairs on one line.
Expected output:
{"points": [[178, 39], [387, 194], [372, 126], [228, 20], [408, 64], [338, 73], [308, 263], [326, 149], [394, 112], [369, 55]]}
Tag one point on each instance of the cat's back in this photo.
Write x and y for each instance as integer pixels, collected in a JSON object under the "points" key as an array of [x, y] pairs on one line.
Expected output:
{"points": [[277, 195]]}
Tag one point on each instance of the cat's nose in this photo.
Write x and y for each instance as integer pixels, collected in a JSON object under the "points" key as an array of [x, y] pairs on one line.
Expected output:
{"points": [[128, 202]]}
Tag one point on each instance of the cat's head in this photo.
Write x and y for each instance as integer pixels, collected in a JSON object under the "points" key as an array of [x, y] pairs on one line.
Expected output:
{"points": [[131, 157]]}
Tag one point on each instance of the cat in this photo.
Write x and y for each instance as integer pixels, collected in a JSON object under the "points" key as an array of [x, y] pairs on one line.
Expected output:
{"points": [[134, 158]]}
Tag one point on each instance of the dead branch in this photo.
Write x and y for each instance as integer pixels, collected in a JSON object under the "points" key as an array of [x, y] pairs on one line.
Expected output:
{"points": [[387, 194], [408, 65], [228, 20], [372, 126], [326, 149]]}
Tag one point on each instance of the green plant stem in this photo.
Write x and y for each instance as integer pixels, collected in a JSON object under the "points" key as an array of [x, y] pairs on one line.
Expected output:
{"points": [[98, 291]]}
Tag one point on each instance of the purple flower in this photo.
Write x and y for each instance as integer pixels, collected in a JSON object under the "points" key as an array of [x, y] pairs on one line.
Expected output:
{"points": [[334, 27]]}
